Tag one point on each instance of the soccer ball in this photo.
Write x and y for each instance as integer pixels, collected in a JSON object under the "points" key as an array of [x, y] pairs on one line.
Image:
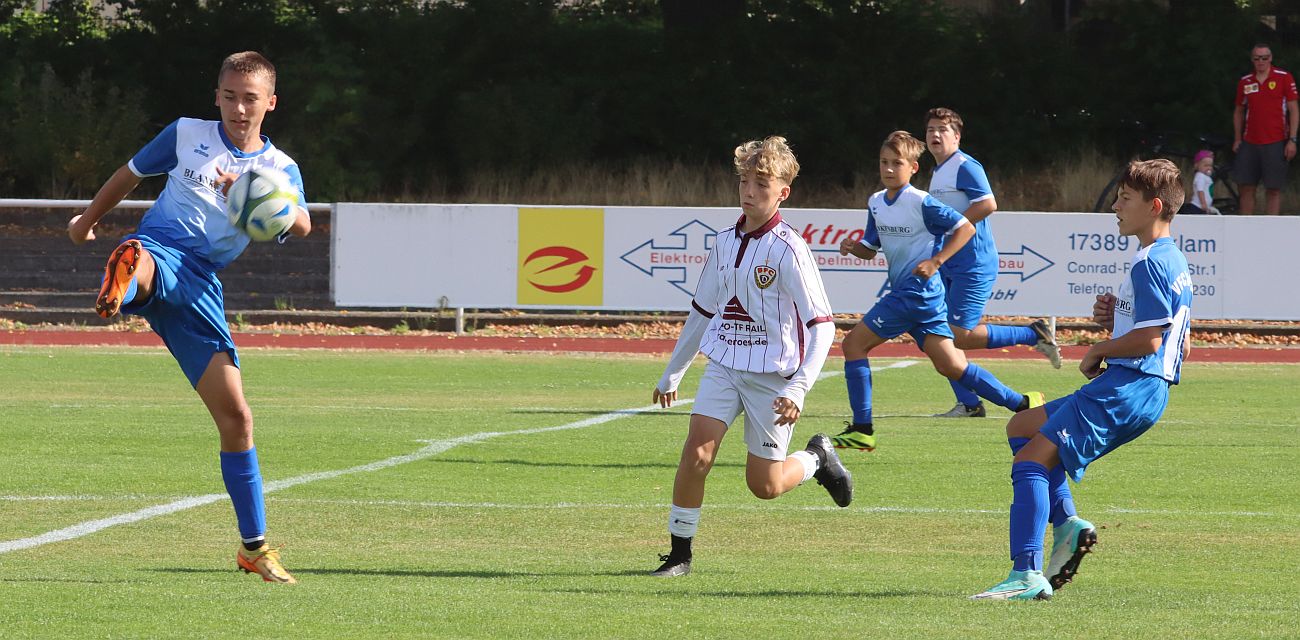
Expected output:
{"points": [[262, 203]]}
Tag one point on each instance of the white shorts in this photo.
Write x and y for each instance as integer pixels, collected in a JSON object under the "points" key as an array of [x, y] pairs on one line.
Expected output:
{"points": [[725, 393]]}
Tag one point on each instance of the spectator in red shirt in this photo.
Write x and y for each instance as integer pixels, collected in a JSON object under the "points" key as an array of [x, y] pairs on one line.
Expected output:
{"points": [[1264, 125]]}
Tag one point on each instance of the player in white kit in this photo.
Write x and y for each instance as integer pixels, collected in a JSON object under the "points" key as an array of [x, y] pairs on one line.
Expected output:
{"points": [[761, 316]]}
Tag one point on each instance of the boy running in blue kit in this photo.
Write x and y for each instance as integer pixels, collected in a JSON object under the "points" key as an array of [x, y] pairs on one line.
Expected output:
{"points": [[166, 272], [959, 181], [909, 226], [1149, 322]]}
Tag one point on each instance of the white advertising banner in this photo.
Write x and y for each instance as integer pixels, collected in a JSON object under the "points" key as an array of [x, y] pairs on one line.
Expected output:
{"points": [[649, 258]]}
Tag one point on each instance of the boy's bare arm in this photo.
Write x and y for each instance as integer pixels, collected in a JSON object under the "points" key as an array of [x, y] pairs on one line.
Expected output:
{"points": [[857, 249], [81, 228], [1134, 344], [960, 236], [978, 211]]}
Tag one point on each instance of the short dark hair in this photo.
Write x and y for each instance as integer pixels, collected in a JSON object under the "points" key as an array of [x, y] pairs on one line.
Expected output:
{"points": [[1158, 178]]}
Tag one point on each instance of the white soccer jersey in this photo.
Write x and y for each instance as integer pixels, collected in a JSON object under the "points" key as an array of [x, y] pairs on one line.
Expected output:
{"points": [[190, 213], [761, 291], [960, 182], [1157, 292], [908, 229]]}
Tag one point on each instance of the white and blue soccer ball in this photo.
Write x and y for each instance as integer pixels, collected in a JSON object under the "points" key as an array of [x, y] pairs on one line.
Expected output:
{"points": [[262, 203]]}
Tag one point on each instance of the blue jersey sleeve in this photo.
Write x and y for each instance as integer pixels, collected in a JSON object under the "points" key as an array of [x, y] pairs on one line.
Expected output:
{"points": [[972, 181], [295, 178], [1153, 298], [870, 236], [939, 218], [159, 156]]}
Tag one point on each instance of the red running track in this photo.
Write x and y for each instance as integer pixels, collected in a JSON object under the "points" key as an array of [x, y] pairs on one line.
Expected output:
{"points": [[559, 344]]}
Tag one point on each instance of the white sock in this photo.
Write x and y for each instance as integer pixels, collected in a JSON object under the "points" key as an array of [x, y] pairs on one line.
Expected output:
{"points": [[683, 522], [809, 461]]}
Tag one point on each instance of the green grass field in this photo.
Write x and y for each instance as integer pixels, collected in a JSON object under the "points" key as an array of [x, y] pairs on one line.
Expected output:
{"points": [[460, 529]]}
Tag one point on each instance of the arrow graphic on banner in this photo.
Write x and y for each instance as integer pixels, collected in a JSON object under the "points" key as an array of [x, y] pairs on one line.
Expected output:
{"points": [[1026, 262], [676, 257]]}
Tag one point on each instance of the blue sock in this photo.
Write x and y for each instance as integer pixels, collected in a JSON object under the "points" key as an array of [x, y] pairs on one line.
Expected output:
{"points": [[964, 395], [1062, 499], [857, 375], [1029, 508], [1001, 335], [244, 484], [1017, 444], [989, 387], [130, 292]]}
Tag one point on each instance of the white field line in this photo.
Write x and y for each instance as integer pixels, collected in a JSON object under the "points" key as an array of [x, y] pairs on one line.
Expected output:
{"points": [[431, 449]]}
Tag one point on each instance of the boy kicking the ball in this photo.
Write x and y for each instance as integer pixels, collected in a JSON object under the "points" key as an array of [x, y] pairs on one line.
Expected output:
{"points": [[166, 272], [761, 315], [1130, 378]]}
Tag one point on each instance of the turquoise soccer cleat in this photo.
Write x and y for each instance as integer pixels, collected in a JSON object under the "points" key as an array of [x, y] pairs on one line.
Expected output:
{"points": [[1019, 585], [1070, 543]]}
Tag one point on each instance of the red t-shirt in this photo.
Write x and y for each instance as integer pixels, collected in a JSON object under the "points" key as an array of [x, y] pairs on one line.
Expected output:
{"points": [[1265, 104]]}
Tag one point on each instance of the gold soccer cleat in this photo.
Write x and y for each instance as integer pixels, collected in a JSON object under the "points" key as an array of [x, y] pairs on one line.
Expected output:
{"points": [[265, 562]]}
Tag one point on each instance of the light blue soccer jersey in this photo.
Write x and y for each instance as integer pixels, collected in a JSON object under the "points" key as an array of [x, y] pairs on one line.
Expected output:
{"points": [[908, 229], [1156, 293], [960, 182], [190, 213]]}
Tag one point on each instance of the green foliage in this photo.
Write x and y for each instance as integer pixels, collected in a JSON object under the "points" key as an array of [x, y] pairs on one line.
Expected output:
{"points": [[384, 99]]}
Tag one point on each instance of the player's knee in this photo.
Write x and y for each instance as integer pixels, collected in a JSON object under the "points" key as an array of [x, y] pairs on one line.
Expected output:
{"points": [[965, 340], [237, 420], [763, 488], [949, 370], [1023, 425], [696, 461]]}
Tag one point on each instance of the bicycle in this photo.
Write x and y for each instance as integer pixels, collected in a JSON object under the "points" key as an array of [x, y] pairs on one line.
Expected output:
{"points": [[1157, 145]]}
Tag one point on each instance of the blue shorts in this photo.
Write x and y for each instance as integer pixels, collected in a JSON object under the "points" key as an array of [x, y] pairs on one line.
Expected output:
{"points": [[918, 316], [968, 293], [186, 310], [1112, 409]]}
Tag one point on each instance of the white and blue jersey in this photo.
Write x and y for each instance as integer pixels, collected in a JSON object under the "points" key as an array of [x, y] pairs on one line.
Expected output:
{"points": [[1131, 394], [190, 213], [960, 182], [909, 229], [1156, 293]]}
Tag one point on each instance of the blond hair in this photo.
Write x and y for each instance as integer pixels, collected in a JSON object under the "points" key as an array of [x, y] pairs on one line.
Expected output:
{"points": [[770, 156], [906, 146], [251, 63], [1156, 179]]}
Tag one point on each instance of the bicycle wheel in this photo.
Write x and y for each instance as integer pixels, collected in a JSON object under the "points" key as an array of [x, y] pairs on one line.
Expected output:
{"points": [[1108, 194]]}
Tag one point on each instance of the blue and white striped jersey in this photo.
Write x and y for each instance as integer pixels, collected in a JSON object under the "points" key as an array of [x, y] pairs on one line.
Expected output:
{"points": [[190, 213], [1156, 293], [960, 182], [909, 229]]}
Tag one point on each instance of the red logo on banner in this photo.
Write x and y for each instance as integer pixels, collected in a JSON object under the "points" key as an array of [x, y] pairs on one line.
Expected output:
{"points": [[568, 256]]}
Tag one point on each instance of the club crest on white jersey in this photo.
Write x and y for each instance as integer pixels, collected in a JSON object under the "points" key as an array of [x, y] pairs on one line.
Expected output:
{"points": [[761, 291]]}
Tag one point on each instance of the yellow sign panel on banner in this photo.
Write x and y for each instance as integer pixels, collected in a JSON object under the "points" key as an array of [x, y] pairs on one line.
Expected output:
{"points": [[561, 255]]}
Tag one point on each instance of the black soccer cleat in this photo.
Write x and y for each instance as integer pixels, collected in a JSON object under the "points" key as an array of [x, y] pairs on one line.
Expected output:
{"points": [[672, 567], [831, 473]]}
